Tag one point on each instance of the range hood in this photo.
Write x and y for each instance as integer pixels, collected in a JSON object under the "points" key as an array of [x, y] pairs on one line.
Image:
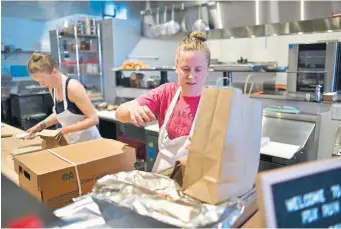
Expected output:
{"points": [[257, 18], [277, 29]]}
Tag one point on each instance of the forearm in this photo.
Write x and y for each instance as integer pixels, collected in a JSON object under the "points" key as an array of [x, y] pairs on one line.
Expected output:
{"points": [[123, 113], [83, 125], [49, 121]]}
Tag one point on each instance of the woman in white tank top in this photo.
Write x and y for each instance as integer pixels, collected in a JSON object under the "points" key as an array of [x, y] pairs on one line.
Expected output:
{"points": [[72, 106]]}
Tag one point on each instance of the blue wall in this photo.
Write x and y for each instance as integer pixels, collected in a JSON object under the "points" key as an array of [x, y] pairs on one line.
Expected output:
{"points": [[22, 33]]}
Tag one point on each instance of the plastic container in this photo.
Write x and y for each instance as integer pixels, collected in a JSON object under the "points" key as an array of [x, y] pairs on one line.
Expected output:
{"points": [[93, 45], [19, 71]]}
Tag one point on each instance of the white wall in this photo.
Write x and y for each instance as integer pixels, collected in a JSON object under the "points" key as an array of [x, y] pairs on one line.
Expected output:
{"points": [[229, 50], [263, 49], [163, 49]]}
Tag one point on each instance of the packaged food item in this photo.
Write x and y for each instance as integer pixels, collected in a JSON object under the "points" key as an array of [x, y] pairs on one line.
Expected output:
{"points": [[112, 107], [134, 65], [102, 105]]}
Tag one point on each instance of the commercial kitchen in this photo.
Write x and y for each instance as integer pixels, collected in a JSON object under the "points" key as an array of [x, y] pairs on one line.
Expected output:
{"points": [[266, 145]]}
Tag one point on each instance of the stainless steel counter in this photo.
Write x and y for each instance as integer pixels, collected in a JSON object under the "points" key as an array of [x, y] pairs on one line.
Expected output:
{"points": [[289, 128], [289, 97], [287, 131], [295, 129]]}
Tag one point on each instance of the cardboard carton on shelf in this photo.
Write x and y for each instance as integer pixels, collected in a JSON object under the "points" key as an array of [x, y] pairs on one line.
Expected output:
{"points": [[51, 175]]}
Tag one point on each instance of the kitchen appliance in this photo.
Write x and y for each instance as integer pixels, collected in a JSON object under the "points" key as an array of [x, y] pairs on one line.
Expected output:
{"points": [[183, 21], [30, 108], [163, 27], [156, 28], [200, 25], [312, 64], [173, 26]]}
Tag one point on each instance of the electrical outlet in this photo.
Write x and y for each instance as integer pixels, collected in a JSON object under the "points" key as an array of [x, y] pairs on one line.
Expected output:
{"points": [[336, 111]]}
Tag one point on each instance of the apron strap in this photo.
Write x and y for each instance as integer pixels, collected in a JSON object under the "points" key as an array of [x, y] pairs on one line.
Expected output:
{"points": [[171, 106], [64, 88], [194, 120], [54, 96]]}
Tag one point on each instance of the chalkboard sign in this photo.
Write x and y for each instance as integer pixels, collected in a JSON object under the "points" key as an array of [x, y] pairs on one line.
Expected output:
{"points": [[302, 196]]}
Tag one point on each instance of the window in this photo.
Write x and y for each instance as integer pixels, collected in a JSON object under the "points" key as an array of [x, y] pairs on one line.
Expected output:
{"points": [[111, 10]]}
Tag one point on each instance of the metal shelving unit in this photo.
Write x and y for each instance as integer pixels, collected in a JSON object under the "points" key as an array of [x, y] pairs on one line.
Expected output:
{"points": [[79, 56], [225, 70]]}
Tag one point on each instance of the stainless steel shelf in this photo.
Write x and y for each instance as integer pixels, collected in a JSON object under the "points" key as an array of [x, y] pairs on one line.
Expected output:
{"points": [[90, 74], [76, 68], [84, 51], [80, 51], [316, 72], [78, 35], [143, 70], [211, 70]]}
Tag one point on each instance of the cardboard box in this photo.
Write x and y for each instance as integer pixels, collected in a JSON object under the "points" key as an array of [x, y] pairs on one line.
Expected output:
{"points": [[52, 139], [179, 170], [54, 181]]}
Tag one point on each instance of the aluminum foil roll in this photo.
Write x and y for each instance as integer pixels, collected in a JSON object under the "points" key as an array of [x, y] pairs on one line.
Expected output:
{"points": [[142, 199]]}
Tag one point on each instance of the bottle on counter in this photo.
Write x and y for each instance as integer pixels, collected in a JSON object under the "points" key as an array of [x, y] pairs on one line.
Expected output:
{"points": [[93, 27], [95, 69], [69, 46], [318, 96], [87, 26], [93, 45], [80, 27], [64, 45]]}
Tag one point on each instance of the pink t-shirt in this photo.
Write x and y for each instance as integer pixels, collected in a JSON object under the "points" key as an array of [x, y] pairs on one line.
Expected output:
{"points": [[158, 101]]}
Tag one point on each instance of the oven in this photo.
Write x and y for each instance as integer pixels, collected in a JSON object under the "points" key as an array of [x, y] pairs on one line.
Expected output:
{"points": [[312, 64]]}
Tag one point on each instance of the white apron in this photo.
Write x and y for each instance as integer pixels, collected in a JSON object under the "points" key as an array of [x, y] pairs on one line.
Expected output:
{"points": [[170, 150], [66, 118]]}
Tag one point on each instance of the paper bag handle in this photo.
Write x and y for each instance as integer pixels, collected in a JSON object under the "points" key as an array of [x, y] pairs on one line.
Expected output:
{"points": [[246, 82], [220, 78]]}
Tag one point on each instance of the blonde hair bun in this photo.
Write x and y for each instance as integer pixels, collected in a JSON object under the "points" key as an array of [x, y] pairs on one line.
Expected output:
{"points": [[36, 56], [41, 62], [198, 36]]}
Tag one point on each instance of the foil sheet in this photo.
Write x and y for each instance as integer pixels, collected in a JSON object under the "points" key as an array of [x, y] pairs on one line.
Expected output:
{"points": [[142, 199]]}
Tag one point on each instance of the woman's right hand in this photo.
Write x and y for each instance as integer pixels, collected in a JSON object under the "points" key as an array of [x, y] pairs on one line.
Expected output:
{"points": [[141, 115]]}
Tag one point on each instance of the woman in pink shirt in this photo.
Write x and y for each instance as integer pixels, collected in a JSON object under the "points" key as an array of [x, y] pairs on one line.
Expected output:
{"points": [[174, 104]]}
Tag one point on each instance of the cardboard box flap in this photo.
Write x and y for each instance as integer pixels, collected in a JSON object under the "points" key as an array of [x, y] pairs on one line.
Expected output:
{"points": [[49, 134], [43, 162], [91, 150]]}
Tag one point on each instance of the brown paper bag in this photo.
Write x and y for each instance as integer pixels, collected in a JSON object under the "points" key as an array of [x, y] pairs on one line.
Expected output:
{"points": [[224, 155]]}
